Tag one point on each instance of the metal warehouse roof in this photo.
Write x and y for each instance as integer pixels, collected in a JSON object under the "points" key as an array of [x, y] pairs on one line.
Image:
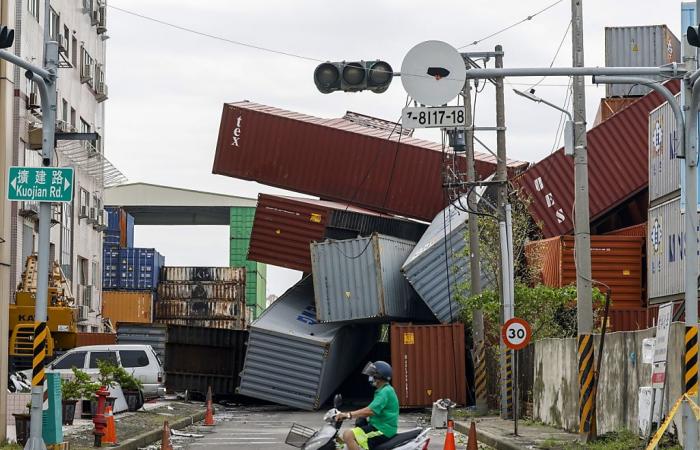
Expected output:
{"points": [[618, 163], [337, 159]]}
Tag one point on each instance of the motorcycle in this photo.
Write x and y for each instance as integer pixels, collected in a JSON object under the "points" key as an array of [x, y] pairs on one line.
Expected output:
{"points": [[327, 437]]}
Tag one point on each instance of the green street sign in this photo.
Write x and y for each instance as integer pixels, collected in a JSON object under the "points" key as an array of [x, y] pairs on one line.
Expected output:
{"points": [[40, 184]]}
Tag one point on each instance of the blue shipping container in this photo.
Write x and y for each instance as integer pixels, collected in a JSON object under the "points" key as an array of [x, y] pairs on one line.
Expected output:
{"points": [[139, 268], [113, 234], [110, 269], [129, 231]]}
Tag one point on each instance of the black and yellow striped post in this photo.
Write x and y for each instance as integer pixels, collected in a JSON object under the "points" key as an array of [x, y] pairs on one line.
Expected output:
{"points": [[509, 384], [480, 389], [38, 375], [586, 382], [690, 372]]}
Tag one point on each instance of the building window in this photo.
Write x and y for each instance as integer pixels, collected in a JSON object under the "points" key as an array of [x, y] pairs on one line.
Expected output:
{"points": [[33, 8], [87, 66], [84, 126], [54, 24], [84, 203], [94, 274], [66, 37], [72, 118], [74, 52], [64, 112], [82, 271], [67, 240]]}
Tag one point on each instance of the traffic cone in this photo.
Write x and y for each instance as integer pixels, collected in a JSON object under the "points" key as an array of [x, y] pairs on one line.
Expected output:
{"points": [[165, 439], [450, 437], [209, 417], [110, 436], [472, 443]]}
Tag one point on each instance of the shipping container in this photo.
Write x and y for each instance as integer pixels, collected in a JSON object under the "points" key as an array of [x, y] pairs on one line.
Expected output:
{"points": [[664, 167], [285, 226], [429, 364], [438, 266], [153, 334], [665, 252], [110, 268], [639, 46], [639, 230], [204, 290], [120, 228], [127, 306], [277, 147], [201, 313], [618, 162], [83, 339], [294, 360], [616, 261], [187, 274], [360, 279], [611, 106], [139, 268], [202, 357]]}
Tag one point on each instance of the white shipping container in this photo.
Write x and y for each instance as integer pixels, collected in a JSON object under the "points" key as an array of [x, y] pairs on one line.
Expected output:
{"points": [[638, 46], [664, 167], [666, 252]]}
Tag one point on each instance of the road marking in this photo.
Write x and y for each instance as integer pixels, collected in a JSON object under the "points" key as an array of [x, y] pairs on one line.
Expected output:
{"points": [[236, 443]]}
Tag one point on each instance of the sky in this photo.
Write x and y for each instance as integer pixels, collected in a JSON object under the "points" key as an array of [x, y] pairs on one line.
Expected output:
{"points": [[167, 86]]}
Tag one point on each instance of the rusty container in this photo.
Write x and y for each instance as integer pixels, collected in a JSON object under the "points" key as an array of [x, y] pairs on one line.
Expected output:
{"points": [[634, 231], [127, 306], [429, 363], [191, 274], [616, 261], [83, 339], [219, 291], [201, 313]]}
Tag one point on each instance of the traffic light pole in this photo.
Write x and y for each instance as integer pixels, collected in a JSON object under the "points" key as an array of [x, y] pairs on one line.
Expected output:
{"points": [[46, 81]]}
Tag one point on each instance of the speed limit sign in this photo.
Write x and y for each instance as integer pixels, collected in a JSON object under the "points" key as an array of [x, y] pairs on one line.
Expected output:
{"points": [[516, 333]]}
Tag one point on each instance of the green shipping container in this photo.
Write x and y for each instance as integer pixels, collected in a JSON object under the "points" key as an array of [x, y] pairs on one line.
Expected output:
{"points": [[256, 273]]}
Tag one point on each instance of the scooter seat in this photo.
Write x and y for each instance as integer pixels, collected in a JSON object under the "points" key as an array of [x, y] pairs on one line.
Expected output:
{"points": [[399, 439]]}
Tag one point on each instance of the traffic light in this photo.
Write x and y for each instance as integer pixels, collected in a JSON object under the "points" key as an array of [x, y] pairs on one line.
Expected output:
{"points": [[354, 76], [694, 36], [7, 37]]}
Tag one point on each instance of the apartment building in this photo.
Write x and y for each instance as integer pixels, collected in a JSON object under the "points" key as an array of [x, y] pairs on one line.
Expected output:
{"points": [[79, 27]]}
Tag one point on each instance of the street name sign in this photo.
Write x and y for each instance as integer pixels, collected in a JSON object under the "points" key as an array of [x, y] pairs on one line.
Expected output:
{"points": [[435, 117], [663, 325], [516, 333], [40, 184]]}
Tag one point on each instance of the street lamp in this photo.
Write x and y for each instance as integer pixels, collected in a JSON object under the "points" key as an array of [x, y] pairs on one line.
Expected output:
{"points": [[568, 125]]}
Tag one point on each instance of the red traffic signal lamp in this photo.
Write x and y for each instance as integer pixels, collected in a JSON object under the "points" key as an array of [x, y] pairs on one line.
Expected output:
{"points": [[353, 76], [7, 37]]}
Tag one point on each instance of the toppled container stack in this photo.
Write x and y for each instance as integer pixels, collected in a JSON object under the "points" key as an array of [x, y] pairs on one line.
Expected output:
{"points": [[211, 297], [294, 360]]}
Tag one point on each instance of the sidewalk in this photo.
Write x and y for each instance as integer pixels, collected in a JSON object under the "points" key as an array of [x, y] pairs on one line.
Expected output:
{"points": [[498, 433]]}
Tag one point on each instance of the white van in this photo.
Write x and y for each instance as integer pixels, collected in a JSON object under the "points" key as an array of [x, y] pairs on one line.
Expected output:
{"points": [[140, 360]]}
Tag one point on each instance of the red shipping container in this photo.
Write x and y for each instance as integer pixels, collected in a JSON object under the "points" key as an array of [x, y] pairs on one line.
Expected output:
{"points": [[83, 339], [337, 159], [428, 363], [618, 161], [615, 261], [633, 231]]}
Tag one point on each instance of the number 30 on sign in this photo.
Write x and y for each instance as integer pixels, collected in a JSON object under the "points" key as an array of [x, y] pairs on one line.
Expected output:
{"points": [[516, 333]]}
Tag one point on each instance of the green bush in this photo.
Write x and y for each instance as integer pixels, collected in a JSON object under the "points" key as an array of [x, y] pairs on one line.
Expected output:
{"points": [[127, 381]]}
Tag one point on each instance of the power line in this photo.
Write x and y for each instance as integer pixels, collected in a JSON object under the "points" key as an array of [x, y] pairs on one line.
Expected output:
{"points": [[556, 54], [503, 30]]}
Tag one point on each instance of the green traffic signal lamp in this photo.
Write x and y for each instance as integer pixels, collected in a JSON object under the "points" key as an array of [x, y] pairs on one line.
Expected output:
{"points": [[693, 34], [7, 37], [353, 76]]}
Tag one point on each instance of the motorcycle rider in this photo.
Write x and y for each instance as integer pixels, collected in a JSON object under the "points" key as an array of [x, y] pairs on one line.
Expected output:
{"points": [[382, 413]]}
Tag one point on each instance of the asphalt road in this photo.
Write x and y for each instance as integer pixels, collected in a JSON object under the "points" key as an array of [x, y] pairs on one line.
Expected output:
{"points": [[267, 428]]}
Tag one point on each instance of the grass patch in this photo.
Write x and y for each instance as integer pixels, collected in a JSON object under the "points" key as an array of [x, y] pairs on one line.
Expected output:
{"points": [[621, 440], [5, 445]]}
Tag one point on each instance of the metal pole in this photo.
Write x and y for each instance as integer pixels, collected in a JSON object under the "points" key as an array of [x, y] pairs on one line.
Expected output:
{"points": [[669, 70], [474, 262], [505, 293], [516, 403], [510, 307], [48, 108]]}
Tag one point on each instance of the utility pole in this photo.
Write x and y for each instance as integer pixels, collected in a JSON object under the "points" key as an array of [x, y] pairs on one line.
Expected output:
{"points": [[584, 303], [475, 260]]}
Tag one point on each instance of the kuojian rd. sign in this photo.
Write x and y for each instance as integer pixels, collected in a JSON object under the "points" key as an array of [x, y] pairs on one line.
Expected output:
{"points": [[40, 184]]}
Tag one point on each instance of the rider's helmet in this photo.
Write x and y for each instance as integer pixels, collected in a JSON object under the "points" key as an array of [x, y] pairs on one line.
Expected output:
{"points": [[379, 370]]}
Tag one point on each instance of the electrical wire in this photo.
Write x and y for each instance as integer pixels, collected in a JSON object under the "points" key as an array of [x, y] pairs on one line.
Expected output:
{"points": [[503, 30], [556, 54]]}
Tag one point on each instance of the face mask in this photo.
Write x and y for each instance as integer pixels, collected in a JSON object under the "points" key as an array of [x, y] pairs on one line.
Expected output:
{"points": [[371, 380]]}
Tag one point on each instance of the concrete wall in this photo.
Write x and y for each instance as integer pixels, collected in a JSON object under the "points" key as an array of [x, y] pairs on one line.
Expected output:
{"points": [[555, 389]]}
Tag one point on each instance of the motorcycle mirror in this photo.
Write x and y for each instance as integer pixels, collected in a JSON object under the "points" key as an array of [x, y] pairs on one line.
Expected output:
{"points": [[337, 401]]}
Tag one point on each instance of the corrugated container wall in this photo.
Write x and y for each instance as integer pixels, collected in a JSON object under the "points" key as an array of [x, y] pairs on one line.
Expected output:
{"points": [[293, 360], [285, 226], [199, 358], [618, 161], [665, 251], [664, 167], [277, 147], [360, 279], [615, 261], [153, 334], [83, 339], [429, 364], [241, 225], [127, 306], [194, 274], [639, 46], [633, 231], [438, 266], [139, 268]]}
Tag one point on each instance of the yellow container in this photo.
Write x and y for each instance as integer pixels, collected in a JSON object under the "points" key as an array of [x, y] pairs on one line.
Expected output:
{"points": [[127, 306]]}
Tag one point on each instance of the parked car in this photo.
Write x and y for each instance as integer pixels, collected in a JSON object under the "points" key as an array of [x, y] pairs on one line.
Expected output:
{"points": [[139, 360]]}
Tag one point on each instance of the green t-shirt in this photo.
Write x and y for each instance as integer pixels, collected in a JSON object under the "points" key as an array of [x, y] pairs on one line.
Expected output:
{"points": [[385, 407]]}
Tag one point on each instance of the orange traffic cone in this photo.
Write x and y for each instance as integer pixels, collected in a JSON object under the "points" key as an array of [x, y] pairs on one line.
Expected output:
{"points": [[472, 443], [165, 440], [209, 417], [110, 436], [450, 438]]}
